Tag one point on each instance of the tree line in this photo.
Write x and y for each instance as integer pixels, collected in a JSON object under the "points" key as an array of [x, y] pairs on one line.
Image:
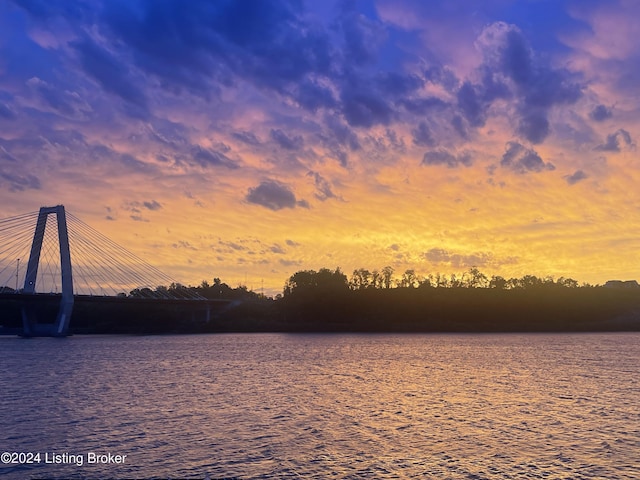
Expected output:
{"points": [[325, 279], [328, 300], [360, 279], [385, 278]]}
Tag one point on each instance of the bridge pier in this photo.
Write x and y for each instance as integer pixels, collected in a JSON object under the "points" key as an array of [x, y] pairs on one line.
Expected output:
{"points": [[31, 326]]}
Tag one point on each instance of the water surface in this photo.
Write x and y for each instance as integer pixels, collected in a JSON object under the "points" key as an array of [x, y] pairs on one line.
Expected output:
{"points": [[533, 406]]}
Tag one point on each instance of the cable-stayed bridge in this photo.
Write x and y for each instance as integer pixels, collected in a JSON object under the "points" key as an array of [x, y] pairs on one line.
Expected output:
{"points": [[53, 255]]}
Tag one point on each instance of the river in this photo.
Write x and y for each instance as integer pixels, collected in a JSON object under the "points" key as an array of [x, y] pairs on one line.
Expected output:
{"points": [[492, 406]]}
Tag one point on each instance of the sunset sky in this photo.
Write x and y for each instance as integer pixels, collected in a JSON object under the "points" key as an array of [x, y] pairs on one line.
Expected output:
{"points": [[248, 140]]}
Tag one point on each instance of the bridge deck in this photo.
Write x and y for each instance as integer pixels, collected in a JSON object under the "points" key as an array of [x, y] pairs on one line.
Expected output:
{"points": [[96, 314]]}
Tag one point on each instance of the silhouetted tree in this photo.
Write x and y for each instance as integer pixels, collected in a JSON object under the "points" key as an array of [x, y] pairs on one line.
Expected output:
{"points": [[361, 278], [498, 282], [441, 281], [220, 290], [323, 280], [144, 292], [567, 282], [529, 281], [408, 279], [387, 276], [376, 279], [426, 282], [456, 282], [476, 279]]}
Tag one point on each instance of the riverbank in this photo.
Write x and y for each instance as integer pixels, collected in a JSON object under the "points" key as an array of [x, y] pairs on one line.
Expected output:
{"points": [[595, 309]]}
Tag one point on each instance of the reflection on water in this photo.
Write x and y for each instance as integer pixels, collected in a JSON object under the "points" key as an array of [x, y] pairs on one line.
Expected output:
{"points": [[313, 406]]}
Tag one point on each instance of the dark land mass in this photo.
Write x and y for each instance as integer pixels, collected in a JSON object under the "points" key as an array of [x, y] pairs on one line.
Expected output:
{"points": [[469, 310], [326, 308]]}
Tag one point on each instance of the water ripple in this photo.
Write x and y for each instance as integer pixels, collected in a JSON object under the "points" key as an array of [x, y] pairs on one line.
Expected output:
{"points": [[311, 406]]}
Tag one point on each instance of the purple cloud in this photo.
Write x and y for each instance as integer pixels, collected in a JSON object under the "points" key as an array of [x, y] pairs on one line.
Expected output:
{"points": [[523, 160], [274, 196]]}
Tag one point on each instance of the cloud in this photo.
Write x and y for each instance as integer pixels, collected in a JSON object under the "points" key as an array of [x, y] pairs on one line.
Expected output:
{"points": [[473, 108], [246, 137], [133, 164], [362, 36], [277, 249], [19, 183], [137, 207], [168, 133], [523, 160], [286, 142], [231, 246], [424, 105], [444, 157], [534, 126], [441, 75], [613, 141], [109, 215], [4, 155], [270, 44], [456, 260], [441, 256], [206, 157], [69, 155], [344, 135], [575, 177], [398, 85], [422, 136], [363, 106], [312, 96], [6, 112], [600, 113], [457, 122], [100, 154], [184, 245], [274, 196], [338, 138], [323, 188], [507, 51], [61, 101], [109, 72], [607, 48], [290, 263], [152, 205], [510, 67]]}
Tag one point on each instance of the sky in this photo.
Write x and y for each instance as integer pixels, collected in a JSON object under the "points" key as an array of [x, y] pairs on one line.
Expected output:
{"points": [[248, 140]]}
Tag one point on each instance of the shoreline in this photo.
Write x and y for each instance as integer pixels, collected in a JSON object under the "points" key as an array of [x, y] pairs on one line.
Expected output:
{"points": [[400, 310]]}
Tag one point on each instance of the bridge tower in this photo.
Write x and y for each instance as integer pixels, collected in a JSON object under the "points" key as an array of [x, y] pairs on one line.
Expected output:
{"points": [[31, 326]]}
